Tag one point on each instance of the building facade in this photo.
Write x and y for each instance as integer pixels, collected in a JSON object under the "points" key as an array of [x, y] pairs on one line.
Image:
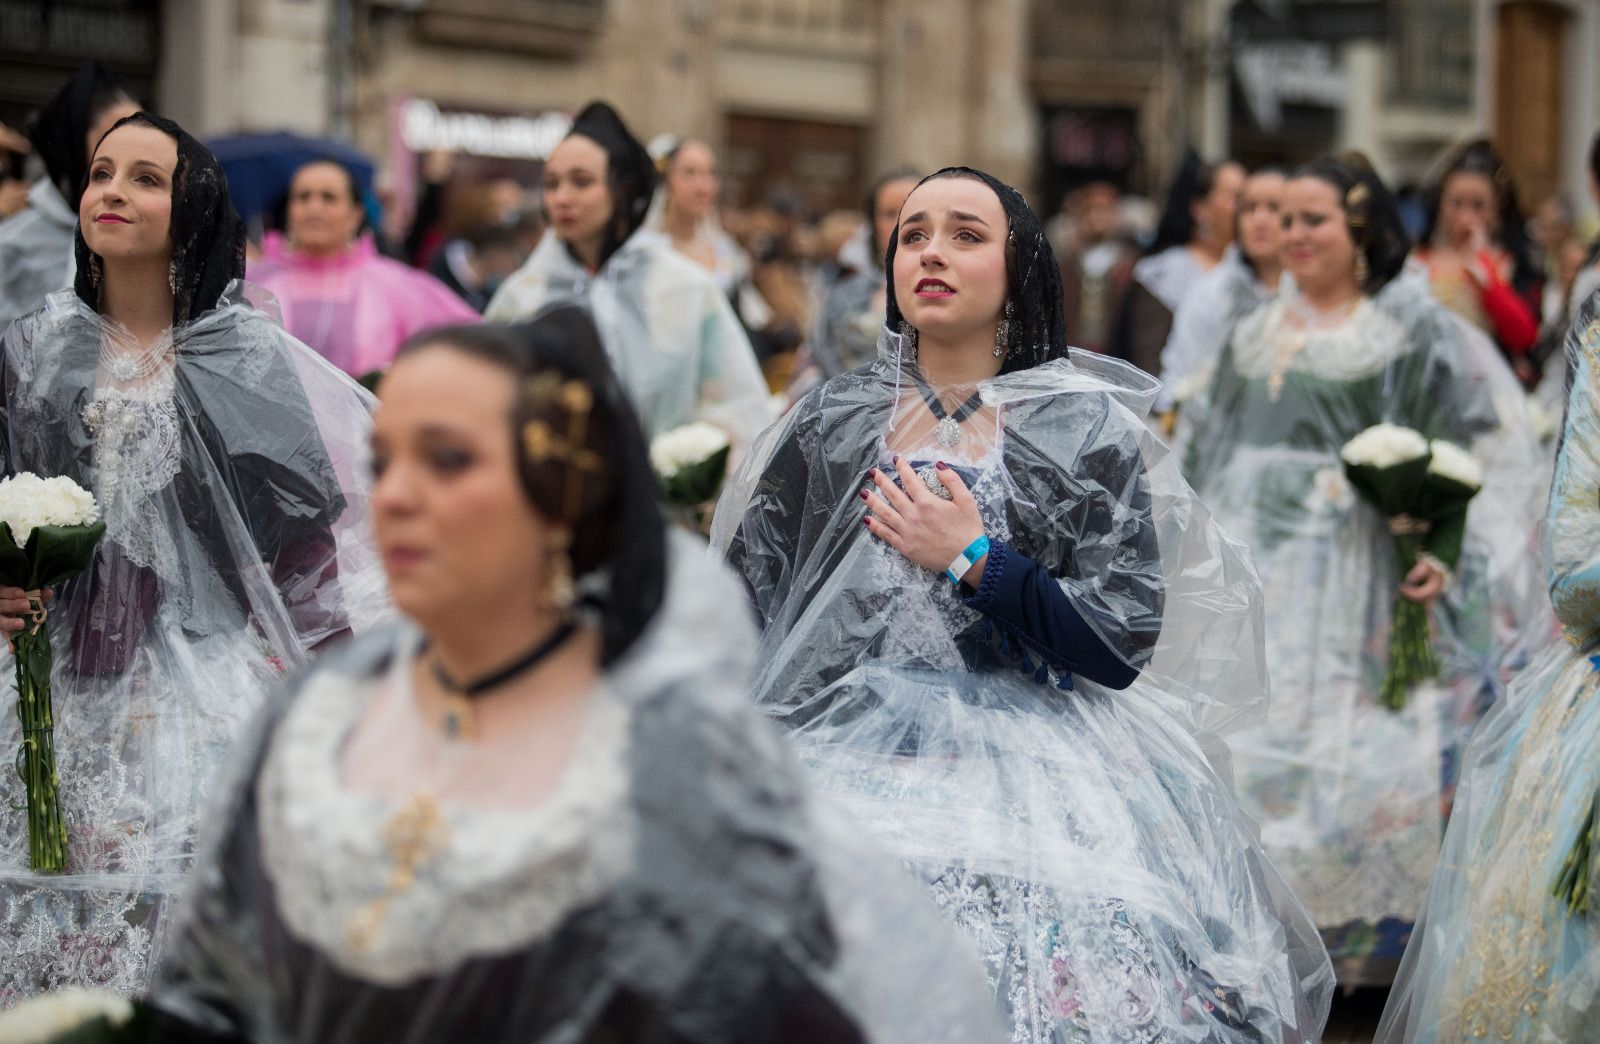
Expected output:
{"points": [[809, 99], [1405, 80]]}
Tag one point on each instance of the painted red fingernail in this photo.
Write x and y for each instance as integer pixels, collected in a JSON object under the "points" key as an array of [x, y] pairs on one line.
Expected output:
{"points": [[863, 494], [872, 473], [895, 459], [867, 522], [942, 466]]}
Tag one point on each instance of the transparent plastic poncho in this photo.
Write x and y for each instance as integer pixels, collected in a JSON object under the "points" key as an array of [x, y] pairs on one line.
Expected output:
{"points": [[1497, 954], [672, 337], [35, 252], [1350, 794], [1200, 328], [1081, 836], [678, 883], [237, 540]]}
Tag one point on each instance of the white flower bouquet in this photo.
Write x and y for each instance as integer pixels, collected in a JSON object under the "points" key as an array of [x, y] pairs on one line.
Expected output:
{"points": [[690, 462], [48, 532], [75, 1015], [1423, 489]]}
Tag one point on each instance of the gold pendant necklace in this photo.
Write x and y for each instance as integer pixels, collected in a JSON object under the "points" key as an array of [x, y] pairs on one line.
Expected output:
{"points": [[412, 837]]}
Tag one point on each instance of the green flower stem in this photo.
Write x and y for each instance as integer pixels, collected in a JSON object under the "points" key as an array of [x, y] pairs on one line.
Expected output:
{"points": [[36, 761], [1572, 883], [1411, 655]]}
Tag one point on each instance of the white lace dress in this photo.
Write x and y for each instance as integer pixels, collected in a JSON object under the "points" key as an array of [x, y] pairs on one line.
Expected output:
{"points": [[1350, 795], [676, 883], [1079, 835], [219, 569]]}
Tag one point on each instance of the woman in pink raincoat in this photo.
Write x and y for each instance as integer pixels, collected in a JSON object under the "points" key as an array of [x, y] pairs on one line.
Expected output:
{"points": [[338, 294]]}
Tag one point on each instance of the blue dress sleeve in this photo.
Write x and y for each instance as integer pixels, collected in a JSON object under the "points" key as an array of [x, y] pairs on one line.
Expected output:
{"points": [[1021, 596]]}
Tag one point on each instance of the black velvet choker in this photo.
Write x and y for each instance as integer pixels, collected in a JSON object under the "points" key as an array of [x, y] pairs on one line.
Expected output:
{"points": [[524, 663]]}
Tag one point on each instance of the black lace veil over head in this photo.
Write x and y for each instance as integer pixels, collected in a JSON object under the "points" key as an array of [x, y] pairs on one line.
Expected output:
{"points": [[208, 236], [61, 126], [1036, 328], [603, 489], [630, 171]]}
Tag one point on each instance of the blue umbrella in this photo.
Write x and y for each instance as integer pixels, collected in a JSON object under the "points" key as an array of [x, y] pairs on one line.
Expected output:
{"points": [[260, 166]]}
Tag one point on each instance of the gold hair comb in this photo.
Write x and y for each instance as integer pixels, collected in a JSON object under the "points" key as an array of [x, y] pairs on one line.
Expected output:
{"points": [[543, 443]]}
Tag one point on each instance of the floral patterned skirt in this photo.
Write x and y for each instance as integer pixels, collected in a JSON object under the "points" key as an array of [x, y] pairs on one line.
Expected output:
{"points": [[134, 752]]}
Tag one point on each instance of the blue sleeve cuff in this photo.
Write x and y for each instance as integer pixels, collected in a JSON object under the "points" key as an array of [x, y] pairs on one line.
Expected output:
{"points": [[1021, 595]]}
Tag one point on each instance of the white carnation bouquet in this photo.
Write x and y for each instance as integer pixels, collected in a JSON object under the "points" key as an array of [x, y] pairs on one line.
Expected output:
{"points": [[690, 462], [1423, 489], [48, 531], [76, 1015]]}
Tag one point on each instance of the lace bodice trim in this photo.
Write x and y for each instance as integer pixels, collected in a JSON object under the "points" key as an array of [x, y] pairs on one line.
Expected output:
{"points": [[1283, 338], [392, 891]]}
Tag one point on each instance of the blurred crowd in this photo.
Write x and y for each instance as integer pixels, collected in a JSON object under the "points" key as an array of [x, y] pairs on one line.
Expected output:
{"points": [[346, 251]]}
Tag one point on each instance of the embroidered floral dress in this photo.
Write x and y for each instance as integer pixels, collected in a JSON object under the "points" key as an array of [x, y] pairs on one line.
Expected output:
{"points": [[222, 459], [1350, 795], [1497, 955], [677, 884], [1079, 835]]}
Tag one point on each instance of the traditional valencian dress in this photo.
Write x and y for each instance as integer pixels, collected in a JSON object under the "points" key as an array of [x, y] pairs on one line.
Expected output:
{"points": [[1498, 955], [1078, 834], [1201, 325], [845, 335], [1350, 795], [671, 335], [223, 458], [678, 884], [35, 252]]}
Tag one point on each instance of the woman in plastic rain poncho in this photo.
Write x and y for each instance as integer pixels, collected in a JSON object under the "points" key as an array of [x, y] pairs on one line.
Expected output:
{"points": [[1031, 738], [36, 245], [337, 293], [670, 333], [1249, 275], [221, 452], [1502, 953], [1349, 793], [542, 808]]}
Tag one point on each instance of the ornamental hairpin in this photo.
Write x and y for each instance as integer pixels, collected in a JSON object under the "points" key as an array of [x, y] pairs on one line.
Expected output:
{"points": [[542, 443], [1358, 195]]}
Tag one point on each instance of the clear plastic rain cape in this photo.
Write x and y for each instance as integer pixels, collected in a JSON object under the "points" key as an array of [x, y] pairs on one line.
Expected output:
{"points": [[678, 884], [845, 334], [1496, 954], [1349, 794], [1080, 836], [35, 252], [1200, 327], [672, 337], [223, 458]]}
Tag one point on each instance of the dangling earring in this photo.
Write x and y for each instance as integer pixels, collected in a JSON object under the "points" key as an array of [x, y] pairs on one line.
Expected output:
{"points": [[172, 275], [94, 270], [1002, 331], [562, 593], [1362, 271], [908, 342]]}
